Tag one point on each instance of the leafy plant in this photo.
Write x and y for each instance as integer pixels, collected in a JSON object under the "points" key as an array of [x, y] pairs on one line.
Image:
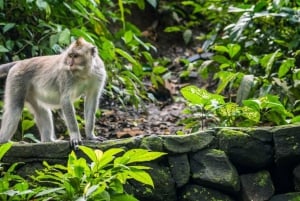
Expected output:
{"points": [[12, 186], [204, 106], [270, 108], [102, 179]]}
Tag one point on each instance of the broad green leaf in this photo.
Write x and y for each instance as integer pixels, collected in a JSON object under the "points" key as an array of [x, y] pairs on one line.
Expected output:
{"points": [[141, 176], [233, 49], [94, 190], [27, 124], [141, 155], [99, 154], [286, 66], [141, 4], [225, 78], [109, 156], [253, 103], [4, 148], [31, 137], [221, 59], [220, 48], [89, 152], [199, 96], [127, 56], [80, 168], [64, 37], [250, 114], [296, 119], [128, 36], [228, 109], [3, 49], [195, 95], [159, 70], [8, 27], [268, 61]]}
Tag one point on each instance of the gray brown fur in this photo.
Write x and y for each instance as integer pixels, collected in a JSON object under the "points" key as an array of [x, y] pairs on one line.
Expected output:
{"points": [[4, 68], [50, 82]]}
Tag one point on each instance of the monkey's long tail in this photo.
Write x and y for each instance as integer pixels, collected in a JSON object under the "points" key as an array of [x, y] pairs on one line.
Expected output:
{"points": [[4, 68]]}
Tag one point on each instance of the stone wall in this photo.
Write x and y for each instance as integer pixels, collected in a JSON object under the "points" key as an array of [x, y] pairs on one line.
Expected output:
{"points": [[220, 164]]}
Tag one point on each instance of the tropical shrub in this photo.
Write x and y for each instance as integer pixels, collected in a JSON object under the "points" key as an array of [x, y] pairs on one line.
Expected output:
{"points": [[101, 178]]}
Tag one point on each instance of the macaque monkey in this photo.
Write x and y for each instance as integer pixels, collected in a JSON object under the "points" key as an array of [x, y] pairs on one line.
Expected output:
{"points": [[52, 82]]}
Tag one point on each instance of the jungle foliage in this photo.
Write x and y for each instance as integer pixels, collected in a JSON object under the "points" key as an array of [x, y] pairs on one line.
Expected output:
{"points": [[254, 47], [101, 179]]}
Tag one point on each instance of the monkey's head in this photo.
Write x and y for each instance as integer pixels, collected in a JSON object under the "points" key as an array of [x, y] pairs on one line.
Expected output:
{"points": [[80, 55]]}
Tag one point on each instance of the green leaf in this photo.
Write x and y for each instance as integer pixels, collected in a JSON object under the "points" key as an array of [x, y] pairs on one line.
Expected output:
{"points": [[123, 197], [187, 36], [27, 124], [89, 152], [268, 60], [109, 156], [173, 29], [233, 49], [8, 27], [285, 67], [128, 36], [3, 49], [1, 4], [141, 176], [64, 37], [4, 148], [228, 110], [159, 70], [153, 3], [127, 56], [141, 4], [140, 155], [221, 59], [49, 191], [253, 103], [199, 96], [220, 48], [250, 114], [225, 77], [244, 88], [296, 119]]}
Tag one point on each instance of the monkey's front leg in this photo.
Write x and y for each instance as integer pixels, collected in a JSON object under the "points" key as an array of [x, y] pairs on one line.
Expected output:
{"points": [[90, 107], [69, 115]]}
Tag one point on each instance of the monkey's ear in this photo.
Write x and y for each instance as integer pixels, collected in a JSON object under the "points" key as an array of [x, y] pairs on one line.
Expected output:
{"points": [[80, 41], [94, 51]]}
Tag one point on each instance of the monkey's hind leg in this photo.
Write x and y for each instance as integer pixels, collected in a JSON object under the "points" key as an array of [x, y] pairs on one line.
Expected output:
{"points": [[13, 107], [44, 121]]}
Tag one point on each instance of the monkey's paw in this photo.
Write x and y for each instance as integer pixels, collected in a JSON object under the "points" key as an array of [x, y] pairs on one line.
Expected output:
{"points": [[74, 143]]}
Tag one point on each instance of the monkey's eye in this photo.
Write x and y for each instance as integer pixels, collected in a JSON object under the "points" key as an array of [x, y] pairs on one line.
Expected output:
{"points": [[73, 55]]}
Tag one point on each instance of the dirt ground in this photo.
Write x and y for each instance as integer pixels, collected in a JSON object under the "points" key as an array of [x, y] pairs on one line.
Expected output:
{"points": [[161, 117]]}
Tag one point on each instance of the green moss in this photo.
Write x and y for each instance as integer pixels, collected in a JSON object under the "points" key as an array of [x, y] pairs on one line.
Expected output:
{"points": [[262, 179], [232, 133], [217, 152]]}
